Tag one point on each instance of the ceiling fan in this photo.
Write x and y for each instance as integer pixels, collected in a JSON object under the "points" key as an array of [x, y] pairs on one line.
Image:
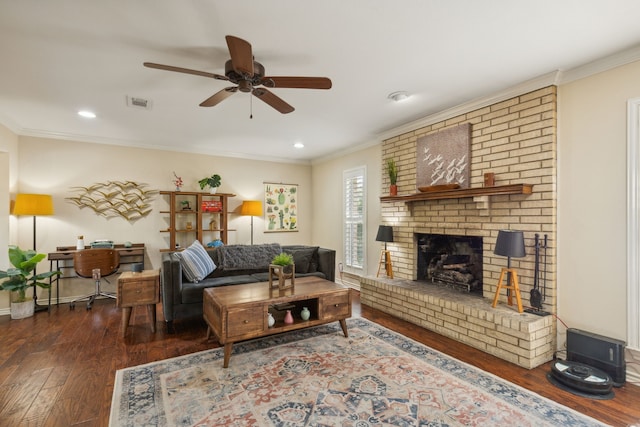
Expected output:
{"points": [[248, 75]]}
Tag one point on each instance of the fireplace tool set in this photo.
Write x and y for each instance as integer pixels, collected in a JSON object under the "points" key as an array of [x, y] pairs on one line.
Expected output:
{"points": [[536, 297]]}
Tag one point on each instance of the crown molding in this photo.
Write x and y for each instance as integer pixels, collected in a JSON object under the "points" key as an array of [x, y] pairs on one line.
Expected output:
{"points": [[617, 59]]}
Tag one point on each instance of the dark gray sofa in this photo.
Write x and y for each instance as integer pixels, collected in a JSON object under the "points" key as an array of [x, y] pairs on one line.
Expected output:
{"points": [[182, 299]]}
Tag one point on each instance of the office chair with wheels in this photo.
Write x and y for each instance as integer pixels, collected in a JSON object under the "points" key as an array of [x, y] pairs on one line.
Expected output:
{"points": [[96, 264]]}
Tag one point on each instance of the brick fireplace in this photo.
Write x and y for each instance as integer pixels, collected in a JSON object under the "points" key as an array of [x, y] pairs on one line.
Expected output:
{"points": [[516, 140]]}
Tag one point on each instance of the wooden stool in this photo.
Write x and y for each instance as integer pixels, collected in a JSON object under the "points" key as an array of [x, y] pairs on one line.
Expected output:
{"points": [[514, 287], [385, 258]]}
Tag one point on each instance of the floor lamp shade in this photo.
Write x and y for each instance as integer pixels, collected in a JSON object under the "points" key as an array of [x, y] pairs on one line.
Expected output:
{"points": [[510, 243], [251, 207], [385, 234], [33, 204]]}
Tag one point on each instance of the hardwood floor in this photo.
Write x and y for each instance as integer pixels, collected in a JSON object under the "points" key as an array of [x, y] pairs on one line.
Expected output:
{"points": [[58, 368]]}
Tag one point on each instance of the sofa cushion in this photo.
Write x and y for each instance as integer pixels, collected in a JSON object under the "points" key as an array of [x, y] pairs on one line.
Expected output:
{"points": [[193, 292], [196, 262], [244, 257], [305, 258]]}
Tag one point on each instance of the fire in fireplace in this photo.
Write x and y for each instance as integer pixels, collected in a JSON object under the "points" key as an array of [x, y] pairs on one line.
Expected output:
{"points": [[452, 261]]}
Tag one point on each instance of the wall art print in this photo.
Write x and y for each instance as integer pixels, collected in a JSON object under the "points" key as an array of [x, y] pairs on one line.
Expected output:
{"points": [[281, 207], [444, 157], [115, 199]]}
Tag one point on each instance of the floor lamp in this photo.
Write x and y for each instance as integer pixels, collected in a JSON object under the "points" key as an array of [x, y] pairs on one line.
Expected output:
{"points": [[251, 208], [385, 234], [510, 243], [36, 205]]}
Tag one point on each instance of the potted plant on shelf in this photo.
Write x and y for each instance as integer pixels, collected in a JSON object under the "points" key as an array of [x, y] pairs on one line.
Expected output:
{"points": [[213, 182], [392, 170], [20, 278]]}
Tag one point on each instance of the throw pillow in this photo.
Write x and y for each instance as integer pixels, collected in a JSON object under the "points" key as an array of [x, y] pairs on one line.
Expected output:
{"points": [[303, 259], [196, 262]]}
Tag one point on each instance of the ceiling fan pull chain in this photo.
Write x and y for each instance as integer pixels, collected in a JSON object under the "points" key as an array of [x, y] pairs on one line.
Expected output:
{"points": [[251, 106]]}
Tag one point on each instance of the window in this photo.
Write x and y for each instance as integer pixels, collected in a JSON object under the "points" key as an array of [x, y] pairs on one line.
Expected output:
{"points": [[354, 219]]}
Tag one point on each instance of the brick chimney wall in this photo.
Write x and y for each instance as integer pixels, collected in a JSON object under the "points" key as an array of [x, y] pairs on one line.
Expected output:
{"points": [[516, 140]]}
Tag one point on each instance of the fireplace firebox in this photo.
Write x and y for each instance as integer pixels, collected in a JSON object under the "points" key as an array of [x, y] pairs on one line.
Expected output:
{"points": [[451, 261]]}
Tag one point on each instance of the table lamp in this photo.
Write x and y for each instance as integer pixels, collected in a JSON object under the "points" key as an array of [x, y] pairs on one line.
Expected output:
{"points": [[385, 234], [510, 243], [36, 205], [251, 208]]}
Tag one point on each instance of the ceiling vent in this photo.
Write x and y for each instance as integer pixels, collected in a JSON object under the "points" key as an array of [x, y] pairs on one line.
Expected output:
{"points": [[136, 102]]}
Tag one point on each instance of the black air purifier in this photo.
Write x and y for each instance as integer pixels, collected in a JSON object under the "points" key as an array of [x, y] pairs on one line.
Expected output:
{"points": [[603, 353]]}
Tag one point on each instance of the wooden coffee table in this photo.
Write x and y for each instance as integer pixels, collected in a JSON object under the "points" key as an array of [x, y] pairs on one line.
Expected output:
{"points": [[240, 312]]}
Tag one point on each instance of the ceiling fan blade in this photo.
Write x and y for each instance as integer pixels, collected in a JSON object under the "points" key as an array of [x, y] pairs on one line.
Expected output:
{"points": [[219, 96], [273, 100], [241, 55], [184, 70], [298, 82]]}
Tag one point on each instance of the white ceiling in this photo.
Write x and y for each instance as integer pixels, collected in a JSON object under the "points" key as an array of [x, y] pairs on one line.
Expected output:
{"points": [[60, 56]]}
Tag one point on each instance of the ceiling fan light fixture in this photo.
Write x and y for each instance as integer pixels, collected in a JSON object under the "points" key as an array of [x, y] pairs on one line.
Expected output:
{"points": [[398, 96]]}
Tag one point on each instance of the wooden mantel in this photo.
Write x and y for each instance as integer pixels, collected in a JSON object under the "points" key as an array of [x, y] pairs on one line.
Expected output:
{"points": [[462, 192]]}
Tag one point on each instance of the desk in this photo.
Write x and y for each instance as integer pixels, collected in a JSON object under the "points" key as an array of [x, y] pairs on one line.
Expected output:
{"points": [[63, 258]]}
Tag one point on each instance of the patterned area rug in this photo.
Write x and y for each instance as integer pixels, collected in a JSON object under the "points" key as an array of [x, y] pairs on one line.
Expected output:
{"points": [[317, 377]]}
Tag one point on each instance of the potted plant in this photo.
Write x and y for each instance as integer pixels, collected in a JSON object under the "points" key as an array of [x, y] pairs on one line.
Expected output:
{"points": [[282, 267], [213, 182], [392, 170], [20, 278]]}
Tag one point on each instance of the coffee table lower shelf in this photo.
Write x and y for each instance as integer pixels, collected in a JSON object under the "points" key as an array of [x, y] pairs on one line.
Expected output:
{"points": [[240, 312]]}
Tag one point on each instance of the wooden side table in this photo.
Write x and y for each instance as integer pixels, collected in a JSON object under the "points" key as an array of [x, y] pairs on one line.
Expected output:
{"points": [[134, 289]]}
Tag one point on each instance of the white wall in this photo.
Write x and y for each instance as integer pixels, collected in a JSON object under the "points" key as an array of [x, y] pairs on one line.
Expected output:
{"points": [[328, 203], [592, 183], [54, 166]]}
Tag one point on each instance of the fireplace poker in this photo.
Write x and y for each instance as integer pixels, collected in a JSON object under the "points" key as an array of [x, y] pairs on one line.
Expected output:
{"points": [[535, 297], [544, 273]]}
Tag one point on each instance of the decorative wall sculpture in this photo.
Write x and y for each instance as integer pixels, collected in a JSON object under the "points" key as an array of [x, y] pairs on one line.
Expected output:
{"points": [[115, 199], [444, 157], [281, 207]]}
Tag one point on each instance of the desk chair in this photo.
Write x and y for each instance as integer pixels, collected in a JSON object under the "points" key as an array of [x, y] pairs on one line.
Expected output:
{"points": [[95, 263]]}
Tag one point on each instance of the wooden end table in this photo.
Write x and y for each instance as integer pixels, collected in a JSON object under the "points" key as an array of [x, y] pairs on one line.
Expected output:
{"points": [[135, 289], [240, 312]]}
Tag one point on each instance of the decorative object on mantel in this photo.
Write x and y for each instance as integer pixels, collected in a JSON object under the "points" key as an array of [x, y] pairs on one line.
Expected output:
{"points": [[392, 170], [115, 199], [177, 182], [282, 268], [213, 182], [385, 234], [444, 157], [489, 179], [510, 243], [22, 277], [441, 187], [281, 207]]}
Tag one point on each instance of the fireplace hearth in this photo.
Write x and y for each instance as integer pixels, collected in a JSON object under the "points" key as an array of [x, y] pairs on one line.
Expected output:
{"points": [[450, 261]]}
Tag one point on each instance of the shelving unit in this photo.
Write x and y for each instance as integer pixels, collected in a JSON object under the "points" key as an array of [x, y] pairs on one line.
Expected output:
{"points": [[195, 215]]}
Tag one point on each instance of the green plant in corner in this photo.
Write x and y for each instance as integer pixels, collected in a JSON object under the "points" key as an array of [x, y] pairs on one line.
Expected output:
{"points": [[20, 278], [282, 259], [392, 170], [212, 181]]}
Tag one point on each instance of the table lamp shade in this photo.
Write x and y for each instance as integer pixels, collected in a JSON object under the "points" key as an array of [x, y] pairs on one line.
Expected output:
{"points": [[33, 204], [385, 234], [251, 207], [510, 243]]}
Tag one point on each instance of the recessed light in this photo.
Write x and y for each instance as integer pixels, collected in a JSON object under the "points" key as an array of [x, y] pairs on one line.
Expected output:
{"points": [[87, 114], [298, 145], [398, 96]]}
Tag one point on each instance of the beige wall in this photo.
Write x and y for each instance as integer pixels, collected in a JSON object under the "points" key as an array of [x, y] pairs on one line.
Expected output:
{"points": [[592, 182], [8, 178], [54, 166], [327, 202]]}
